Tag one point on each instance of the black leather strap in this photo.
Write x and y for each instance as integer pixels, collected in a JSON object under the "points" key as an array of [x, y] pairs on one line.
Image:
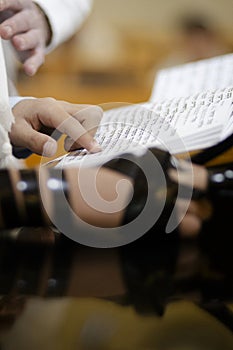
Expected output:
{"points": [[214, 151], [32, 200], [148, 265], [8, 206], [59, 192]]}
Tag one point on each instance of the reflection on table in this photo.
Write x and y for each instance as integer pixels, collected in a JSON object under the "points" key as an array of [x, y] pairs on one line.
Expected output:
{"points": [[57, 294]]}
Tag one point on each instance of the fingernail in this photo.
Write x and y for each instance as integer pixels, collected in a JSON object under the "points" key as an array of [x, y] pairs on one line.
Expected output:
{"points": [[30, 69], [7, 30], [95, 147], [50, 148]]}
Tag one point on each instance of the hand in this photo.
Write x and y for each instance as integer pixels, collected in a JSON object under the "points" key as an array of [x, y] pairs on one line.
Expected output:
{"points": [[78, 122], [196, 212], [26, 26]]}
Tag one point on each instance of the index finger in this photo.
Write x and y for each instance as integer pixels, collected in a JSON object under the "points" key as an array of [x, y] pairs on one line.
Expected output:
{"points": [[88, 115], [15, 5], [53, 115]]}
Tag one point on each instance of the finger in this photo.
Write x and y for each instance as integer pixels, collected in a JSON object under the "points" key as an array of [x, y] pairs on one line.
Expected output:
{"points": [[18, 23], [88, 115], [40, 143], [201, 208], [193, 218], [190, 226], [68, 144], [189, 175], [83, 139], [33, 63], [53, 115], [32, 60], [71, 145], [15, 5], [28, 41], [31, 51], [22, 134], [90, 118], [24, 55]]}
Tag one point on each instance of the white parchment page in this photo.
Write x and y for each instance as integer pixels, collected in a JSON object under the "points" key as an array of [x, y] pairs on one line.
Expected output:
{"points": [[178, 125]]}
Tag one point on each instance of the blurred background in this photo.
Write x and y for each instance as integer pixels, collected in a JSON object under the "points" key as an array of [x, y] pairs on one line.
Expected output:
{"points": [[122, 43], [115, 55]]}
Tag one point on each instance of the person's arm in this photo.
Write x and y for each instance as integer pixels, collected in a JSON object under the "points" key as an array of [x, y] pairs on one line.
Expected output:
{"points": [[37, 27], [27, 27]]}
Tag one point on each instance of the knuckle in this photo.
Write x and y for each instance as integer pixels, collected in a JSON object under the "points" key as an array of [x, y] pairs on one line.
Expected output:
{"points": [[24, 3], [32, 141], [48, 100], [96, 111], [2, 5], [46, 105]]}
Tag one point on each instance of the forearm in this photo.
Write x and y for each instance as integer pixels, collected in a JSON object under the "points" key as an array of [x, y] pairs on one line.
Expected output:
{"points": [[27, 196]]}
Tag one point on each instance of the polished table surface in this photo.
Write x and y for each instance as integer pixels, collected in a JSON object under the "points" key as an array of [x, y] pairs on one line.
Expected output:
{"points": [[57, 294]]}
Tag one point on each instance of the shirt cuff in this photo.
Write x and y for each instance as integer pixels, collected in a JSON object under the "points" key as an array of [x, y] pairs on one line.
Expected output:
{"points": [[65, 18]]}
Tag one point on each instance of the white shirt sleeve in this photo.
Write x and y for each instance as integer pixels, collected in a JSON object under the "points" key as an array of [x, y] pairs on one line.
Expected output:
{"points": [[65, 17]]}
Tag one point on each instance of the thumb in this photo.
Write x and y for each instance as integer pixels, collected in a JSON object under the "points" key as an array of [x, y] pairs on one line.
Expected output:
{"points": [[41, 144]]}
